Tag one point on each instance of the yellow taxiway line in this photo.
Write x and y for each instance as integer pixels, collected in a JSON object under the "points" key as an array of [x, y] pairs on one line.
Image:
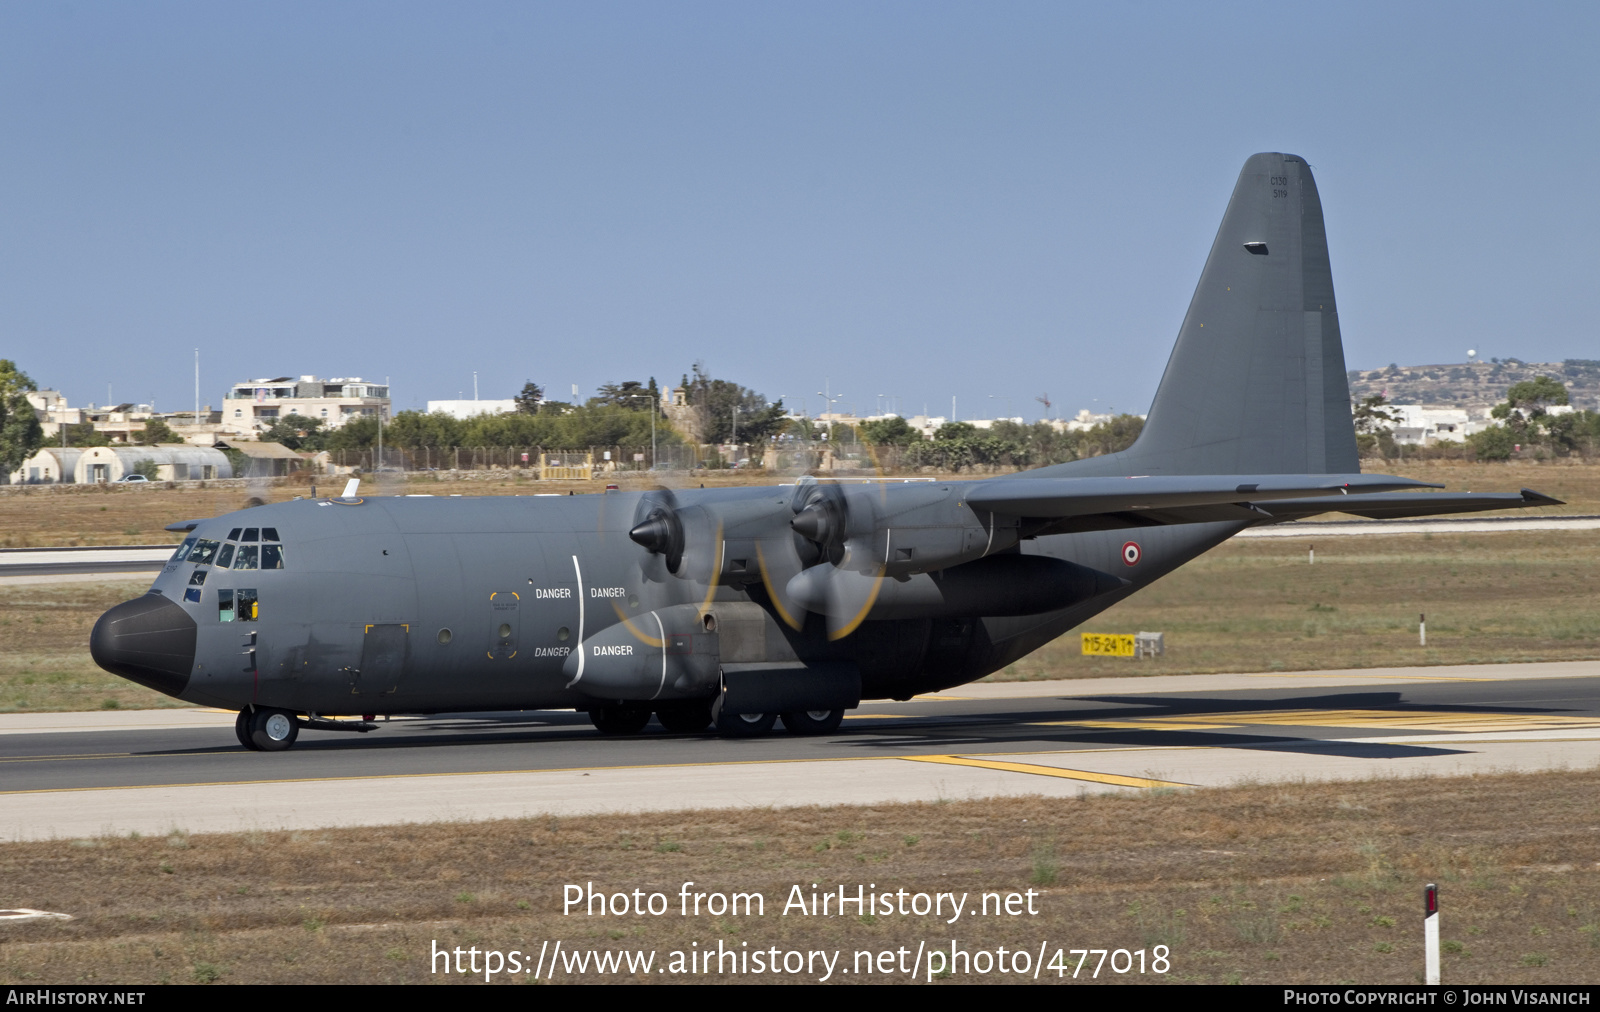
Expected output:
{"points": [[1045, 771]]}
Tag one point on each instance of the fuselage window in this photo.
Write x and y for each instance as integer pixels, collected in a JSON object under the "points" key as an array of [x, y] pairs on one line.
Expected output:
{"points": [[233, 535], [203, 552], [199, 578], [249, 609], [271, 556], [225, 606], [183, 549], [192, 594], [251, 534], [225, 557], [270, 534], [247, 557]]}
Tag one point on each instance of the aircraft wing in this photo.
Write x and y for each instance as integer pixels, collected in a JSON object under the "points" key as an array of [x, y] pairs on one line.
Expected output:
{"points": [[1416, 504], [1070, 497], [1064, 506]]}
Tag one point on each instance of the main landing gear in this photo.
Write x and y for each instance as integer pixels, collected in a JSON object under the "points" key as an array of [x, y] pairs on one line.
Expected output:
{"points": [[694, 716], [266, 729]]}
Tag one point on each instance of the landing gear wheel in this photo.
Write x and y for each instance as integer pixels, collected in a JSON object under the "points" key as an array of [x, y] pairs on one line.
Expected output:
{"points": [[620, 718], [685, 718], [745, 725], [241, 730], [272, 730], [813, 721]]}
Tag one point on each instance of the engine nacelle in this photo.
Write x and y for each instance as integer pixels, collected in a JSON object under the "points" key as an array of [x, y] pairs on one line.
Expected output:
{"points": [[664, 654], [996, 586], [900, 529]]}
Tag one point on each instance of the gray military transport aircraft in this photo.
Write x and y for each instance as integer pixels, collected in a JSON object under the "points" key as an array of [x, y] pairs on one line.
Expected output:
{"points": [[737, 606]]}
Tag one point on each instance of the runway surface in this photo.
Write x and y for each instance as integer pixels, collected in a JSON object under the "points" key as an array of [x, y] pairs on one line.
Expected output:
{"points": [[72, 775]]}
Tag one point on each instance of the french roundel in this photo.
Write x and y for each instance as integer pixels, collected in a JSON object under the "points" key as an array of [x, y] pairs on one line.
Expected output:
{"points": [[1130, 553]]}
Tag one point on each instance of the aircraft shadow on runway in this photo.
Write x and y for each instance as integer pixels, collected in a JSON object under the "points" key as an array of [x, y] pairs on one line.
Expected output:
{"points": [[999, 728]]}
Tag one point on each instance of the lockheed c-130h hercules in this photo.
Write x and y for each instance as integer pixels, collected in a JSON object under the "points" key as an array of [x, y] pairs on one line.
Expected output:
{"points": [[737, 607]]}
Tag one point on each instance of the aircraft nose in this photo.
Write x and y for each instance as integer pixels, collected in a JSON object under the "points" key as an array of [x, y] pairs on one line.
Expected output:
{"points": [[149, 640]]}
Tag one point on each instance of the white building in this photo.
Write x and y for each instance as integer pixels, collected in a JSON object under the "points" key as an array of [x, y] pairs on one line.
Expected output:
{"points": [[1083, 421], [1422, 425], [49, 465], [471, 409], [173, 461], [257, 404]]}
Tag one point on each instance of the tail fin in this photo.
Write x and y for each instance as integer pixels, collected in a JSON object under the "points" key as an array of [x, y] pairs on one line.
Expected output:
{"points": [[1256, 383]]}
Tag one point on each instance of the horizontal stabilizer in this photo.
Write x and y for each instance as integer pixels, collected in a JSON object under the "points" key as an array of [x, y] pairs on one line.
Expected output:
{"points": [[1412, 504], [1067, 497]]}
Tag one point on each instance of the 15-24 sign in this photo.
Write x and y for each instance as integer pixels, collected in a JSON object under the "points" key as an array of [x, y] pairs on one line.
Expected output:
{"points": [[1108, 644]]}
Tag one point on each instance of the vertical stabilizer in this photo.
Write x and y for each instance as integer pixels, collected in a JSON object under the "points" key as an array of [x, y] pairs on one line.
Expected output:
{"points": [[1256, 383]]}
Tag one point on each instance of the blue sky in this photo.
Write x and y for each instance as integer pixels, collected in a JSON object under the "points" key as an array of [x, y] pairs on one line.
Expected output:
{"points": [[921, 200]]}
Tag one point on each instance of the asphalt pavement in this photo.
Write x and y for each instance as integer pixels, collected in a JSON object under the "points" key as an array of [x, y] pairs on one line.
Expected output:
{"points": [[151, 771]]}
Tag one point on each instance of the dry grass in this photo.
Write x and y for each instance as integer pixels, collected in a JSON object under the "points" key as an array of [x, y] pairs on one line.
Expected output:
{"points": [[44, 649], [1292, 884], [1257, 605]]}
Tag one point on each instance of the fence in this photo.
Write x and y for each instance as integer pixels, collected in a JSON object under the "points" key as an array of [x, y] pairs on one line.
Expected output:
{"points": [[779, 457]]}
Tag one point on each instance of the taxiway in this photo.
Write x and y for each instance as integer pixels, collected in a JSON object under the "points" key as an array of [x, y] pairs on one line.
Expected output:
{"points": [[73, 775]]}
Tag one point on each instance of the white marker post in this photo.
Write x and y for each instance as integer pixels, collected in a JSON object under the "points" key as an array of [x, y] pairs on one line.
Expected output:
{"points": [[1430, 934], [1311, 554], [1422, 629]]}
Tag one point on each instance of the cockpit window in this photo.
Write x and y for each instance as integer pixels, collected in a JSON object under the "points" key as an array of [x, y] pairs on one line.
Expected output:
{"points": [[225, 606], [271, 556], [270, 534], [183, 549], [199, 578], [203, 552], [233, 535], [246, 559], [251, 534], [249, 609], [225, 557]]}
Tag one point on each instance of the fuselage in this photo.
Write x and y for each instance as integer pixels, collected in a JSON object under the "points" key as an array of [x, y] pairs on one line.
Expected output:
{"points": [[420, 604]]}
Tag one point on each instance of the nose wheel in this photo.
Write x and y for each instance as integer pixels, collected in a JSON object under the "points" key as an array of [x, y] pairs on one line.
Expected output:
{"points": [[266, 729]]}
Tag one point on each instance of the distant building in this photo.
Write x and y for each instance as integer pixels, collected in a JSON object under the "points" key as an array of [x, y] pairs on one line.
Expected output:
{"points": [[51, 408], [264, 460], [471, 409], [1423, 425], [1083, 421], [257, 404], [173, 461], [50, 465]]}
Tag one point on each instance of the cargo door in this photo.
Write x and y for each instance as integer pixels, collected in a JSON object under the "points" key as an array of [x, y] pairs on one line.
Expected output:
{"points": [[384, 650]]}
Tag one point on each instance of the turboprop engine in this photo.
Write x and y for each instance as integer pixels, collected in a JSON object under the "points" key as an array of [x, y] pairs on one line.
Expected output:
{"points": [[897, 530], [669, 653], [864, 551]]}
